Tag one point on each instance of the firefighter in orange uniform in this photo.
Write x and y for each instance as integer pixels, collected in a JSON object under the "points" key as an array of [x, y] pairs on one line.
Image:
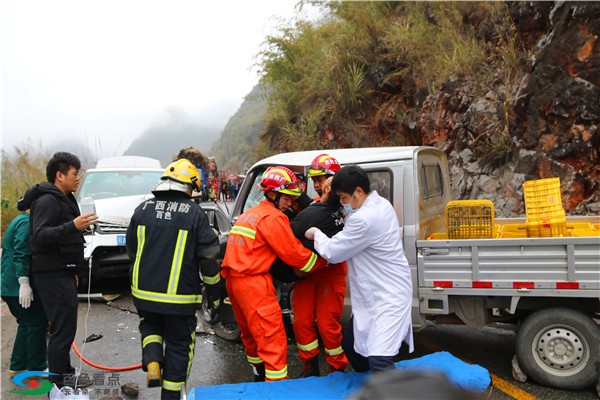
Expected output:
{"points": [[259, 236], [320, 295]]}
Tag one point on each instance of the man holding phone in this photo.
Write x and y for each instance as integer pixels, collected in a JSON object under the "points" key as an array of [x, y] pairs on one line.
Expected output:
{"points": [[57, 252]]}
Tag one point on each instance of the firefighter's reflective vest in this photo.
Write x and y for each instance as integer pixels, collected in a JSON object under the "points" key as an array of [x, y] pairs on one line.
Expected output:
{"points": [[169, 237]]}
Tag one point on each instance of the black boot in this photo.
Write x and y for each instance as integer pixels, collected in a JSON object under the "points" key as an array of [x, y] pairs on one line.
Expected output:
{"points": [[259, 372], [311, 367]]}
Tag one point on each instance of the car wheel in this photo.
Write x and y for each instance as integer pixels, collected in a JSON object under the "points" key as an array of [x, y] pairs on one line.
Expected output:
{"points": [[229, 332], [559, 347]]}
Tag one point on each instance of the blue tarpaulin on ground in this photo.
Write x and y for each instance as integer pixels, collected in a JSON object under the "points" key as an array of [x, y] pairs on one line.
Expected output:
{"points": [[339, 385]]}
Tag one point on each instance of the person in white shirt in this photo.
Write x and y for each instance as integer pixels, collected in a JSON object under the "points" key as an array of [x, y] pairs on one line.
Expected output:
{"points": [[379, 274]]}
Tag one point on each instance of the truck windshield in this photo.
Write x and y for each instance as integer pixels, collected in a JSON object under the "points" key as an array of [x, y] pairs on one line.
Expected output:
{"points": [[109, 184]]}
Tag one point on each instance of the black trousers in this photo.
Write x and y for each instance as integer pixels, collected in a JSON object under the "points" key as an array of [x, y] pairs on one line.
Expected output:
{"points": [[170, 340], [59, 298], [361, 363]]}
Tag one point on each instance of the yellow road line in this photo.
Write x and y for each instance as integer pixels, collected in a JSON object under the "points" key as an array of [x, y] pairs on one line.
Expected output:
{"points": [[497, 382], [510, 389]]}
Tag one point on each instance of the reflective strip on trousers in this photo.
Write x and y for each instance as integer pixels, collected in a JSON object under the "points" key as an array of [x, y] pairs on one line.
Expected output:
{"points": [[254, 360], [173, 386], [276, 375], [191, 355], [334, 352], [308, 347], [243, 231], [152, 339]]}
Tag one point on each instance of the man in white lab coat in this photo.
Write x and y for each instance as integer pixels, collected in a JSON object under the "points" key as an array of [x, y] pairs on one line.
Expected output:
{"points": [[379, 274]]}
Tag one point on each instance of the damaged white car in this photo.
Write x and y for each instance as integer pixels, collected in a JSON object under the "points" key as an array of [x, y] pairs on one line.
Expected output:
{"points": [[117, 185]]}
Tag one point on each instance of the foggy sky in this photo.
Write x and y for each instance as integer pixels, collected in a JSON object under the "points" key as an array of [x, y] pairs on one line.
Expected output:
{"points": [[104, 71]]}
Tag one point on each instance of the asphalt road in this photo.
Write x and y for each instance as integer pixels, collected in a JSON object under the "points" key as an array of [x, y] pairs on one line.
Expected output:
{"points": [[218, 361]]}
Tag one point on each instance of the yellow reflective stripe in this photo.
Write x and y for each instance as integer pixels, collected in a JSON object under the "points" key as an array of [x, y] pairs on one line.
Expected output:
{"points": [[254, 360], [173, 386], [141, 239], [243, 231], [281, 374], [310, 264], [152, 339], [212, 280], [166, 298], [191, 355], [334, 352], [177, 262], [308, 347]]}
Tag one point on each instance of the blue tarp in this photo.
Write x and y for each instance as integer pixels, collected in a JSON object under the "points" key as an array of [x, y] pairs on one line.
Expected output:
{"points": [[339, 385]]}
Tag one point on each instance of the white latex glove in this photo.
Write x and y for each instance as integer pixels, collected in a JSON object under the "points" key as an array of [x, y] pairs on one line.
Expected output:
{"points": [[310, 233], [25, 292]]}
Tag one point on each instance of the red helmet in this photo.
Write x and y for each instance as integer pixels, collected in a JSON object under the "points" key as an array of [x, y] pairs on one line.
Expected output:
{"points": [[280, 179], [323, 164]]}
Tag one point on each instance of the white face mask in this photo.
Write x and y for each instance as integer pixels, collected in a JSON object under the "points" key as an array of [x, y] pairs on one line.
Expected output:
{"points": [[348, 208]]}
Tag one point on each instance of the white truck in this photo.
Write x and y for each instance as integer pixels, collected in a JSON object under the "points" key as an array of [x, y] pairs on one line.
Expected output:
{"points": [[116, 185], [546, 289]]}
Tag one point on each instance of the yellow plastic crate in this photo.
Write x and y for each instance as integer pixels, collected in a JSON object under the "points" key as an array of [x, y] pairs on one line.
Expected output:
{"points": [[437, 236], [470, 219], [513, 234], [584, 232], [545, 216], [514, 228]]}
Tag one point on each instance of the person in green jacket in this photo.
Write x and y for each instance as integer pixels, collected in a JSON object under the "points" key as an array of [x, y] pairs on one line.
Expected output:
{"points": [[19, 293]]}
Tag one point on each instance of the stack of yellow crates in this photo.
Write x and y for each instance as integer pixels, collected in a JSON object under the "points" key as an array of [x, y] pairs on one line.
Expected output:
{"points": [[470, 219], [545, 216]]}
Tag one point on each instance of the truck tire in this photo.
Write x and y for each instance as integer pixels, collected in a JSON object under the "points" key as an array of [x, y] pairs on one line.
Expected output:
{"points": [[559, 347], [229, 332]]}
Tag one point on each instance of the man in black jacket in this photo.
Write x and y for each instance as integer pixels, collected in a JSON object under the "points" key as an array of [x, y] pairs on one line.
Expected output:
{"points": [[57, 252], [171, 241]]}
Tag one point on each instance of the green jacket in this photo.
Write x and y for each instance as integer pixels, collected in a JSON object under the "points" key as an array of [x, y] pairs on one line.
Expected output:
{"points": [[16, 255]]}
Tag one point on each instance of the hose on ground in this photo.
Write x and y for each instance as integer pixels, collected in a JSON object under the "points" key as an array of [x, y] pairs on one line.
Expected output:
{"points": [[91, 364]]}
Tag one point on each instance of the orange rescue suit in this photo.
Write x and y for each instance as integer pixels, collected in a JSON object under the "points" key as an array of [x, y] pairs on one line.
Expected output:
{"points": [[259, 236], [320, 297]]}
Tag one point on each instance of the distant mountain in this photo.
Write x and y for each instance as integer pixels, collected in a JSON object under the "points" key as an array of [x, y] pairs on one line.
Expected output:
{"points": [[234, 150], [178, 130]]}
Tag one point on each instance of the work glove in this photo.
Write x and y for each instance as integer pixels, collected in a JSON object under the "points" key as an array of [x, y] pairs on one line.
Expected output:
{"points": [[211, 310], [310, 233], [25, 292]]}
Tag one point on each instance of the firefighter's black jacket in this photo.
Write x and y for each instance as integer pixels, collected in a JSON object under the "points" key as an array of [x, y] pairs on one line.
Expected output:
{"points": [[170, 240]]}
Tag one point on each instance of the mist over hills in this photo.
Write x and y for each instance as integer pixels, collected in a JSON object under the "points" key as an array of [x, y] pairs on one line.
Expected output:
{"points": [[174, 132]]}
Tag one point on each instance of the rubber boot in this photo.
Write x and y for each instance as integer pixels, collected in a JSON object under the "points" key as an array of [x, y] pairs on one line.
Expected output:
{"points": [[154, 376], [259, 372], [311, 367]]}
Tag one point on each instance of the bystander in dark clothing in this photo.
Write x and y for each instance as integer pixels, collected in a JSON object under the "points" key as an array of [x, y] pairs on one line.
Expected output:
{"points": [[57, 252], [20, 294], [224, 190]]}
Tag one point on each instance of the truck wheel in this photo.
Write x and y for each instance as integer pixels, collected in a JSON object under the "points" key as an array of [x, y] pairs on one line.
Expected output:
{"points": [[559, 347], [229, 332]]}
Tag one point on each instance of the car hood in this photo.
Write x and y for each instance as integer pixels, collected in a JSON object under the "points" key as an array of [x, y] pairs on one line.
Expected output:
{"points": [[119, 209]]}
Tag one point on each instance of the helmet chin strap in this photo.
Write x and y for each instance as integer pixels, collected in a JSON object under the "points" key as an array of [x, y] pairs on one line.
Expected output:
{"points": [[274, 201]]}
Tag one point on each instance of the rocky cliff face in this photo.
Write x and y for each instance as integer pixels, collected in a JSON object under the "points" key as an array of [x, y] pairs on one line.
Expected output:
{"points": [[546, 125]]}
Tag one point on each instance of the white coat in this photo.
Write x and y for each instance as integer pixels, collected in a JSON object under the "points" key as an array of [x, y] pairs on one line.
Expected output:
{"points": [[379, 276]]}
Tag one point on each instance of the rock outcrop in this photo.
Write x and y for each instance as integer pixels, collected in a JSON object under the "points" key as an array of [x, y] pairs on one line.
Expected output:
{"points": [[546, 126]]}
